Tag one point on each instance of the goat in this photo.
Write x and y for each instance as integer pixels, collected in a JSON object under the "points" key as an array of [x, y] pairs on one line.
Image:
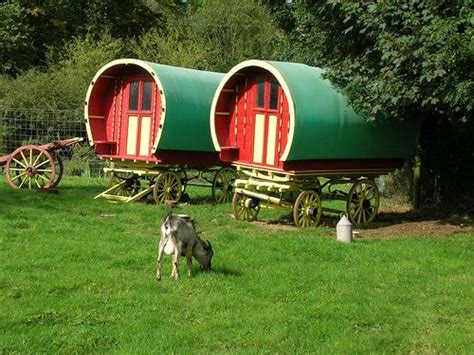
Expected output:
{"points": [[178, 237]]}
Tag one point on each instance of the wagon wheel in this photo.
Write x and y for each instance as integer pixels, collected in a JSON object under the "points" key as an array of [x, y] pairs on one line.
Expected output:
{"points": [[307, 209], [58, 164], [167, 187], [363, 202], [222, 187], [245, 208], [30, 167], [127, 189]]}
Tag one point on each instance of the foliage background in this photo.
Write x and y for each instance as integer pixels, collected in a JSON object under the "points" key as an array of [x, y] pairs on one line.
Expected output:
{"points": [[408, 59]]}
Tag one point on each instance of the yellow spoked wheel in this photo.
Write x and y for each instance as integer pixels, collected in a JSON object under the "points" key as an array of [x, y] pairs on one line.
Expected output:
{"points": [[307, 209], [128, 184], [245, 208], [222, 185], [31, 167], [167, 187], [363, 202]]}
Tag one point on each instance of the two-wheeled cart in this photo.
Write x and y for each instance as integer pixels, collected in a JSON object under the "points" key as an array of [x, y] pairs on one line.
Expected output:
{"points": [[36, 166]]}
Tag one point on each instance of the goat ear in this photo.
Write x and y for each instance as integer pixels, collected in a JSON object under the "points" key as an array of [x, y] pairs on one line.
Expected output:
{"points": [[167, 215], [209, 246]]}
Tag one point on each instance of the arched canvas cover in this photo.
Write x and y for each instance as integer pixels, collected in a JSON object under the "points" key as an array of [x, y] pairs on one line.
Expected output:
{"points": [[322, 126], [183, 97]]}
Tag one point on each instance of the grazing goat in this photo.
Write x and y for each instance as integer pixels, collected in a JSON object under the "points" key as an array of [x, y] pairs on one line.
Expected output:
{"points": [[179, 238]]}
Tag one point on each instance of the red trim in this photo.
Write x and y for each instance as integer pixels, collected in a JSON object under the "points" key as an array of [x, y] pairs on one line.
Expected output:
{"points": [[175, 157], [332, 167], [343, 164]]}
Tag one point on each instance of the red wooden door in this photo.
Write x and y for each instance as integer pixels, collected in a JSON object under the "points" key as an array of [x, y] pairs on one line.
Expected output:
{"points": [[265, 120], [138, 124]]}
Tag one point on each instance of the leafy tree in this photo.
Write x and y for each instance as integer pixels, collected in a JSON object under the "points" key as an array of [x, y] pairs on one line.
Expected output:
{"points": [[63, 86], [212, 35], [32, 33], [405, 58], [15, 39], [410, 59]]}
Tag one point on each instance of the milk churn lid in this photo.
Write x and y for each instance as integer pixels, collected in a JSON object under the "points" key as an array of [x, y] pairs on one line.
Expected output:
{"points": [[344, 221]]}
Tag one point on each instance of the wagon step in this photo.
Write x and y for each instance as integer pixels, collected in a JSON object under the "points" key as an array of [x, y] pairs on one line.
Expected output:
{"points": [[111, 196]]}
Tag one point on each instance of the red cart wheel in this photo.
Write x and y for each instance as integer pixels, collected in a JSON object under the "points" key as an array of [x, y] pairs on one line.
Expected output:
{"points": [[30, 167]]}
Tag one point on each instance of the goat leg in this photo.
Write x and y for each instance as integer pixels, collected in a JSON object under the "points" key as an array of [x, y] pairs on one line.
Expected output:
{"points": [[175, 271], [189, 259], [159, 259]]}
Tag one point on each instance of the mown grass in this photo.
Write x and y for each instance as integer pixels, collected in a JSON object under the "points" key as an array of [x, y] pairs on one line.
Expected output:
{"points": [[77, 276]]}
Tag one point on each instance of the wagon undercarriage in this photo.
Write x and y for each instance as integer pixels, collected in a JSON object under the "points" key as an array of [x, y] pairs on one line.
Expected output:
{"points": [[167, 184], [304, 196]]}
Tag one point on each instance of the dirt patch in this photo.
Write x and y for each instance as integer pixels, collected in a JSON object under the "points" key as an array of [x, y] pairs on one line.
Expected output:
{"points": [[418, 228], [393, 221]]}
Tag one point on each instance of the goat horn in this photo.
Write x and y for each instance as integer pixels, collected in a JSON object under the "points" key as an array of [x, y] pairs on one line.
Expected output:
{"points": [[209, 244]]}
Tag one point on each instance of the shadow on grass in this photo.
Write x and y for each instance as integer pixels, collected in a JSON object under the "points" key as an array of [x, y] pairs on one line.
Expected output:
{"points": [[225, 271], [386, 219]]}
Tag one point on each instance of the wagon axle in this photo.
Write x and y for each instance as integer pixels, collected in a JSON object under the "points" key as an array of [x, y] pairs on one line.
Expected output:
{"points": [[30, 170]]}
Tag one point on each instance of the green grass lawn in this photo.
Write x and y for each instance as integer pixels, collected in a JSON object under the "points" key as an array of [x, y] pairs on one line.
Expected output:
{"points": [[77, 275]]}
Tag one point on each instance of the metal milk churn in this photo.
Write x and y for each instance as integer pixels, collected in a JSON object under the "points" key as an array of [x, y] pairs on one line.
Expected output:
{"points": [[344, 230]]}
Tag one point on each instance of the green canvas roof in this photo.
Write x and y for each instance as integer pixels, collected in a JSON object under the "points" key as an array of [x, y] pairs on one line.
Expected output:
{"points": [[188, 95]]}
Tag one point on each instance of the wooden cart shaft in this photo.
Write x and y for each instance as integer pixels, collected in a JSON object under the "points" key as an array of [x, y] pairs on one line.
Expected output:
{"points": [[49, 147]]}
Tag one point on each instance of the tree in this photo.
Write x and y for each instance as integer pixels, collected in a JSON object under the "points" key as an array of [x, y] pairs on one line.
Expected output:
{"points": [[64, 85], [212, 35], [398, 57], [410, 59], [16, 45], [32, 33]]}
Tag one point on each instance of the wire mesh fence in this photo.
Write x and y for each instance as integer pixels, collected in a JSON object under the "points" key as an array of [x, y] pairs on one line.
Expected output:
{"points": [[20, 127]]}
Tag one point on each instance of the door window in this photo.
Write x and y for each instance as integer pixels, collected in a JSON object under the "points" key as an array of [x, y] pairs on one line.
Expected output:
{"points": [[133, 96], [260, 93], [146, 96], [273, 95]]}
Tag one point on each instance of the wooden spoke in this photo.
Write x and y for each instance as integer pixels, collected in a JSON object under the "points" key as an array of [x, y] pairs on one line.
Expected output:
{"points": [[37, 158], [363, 202], [307, 209], [167, 187], [19, 163], [222, 185], [245, 208], [24, 158], [43, 177], [30, 167]]}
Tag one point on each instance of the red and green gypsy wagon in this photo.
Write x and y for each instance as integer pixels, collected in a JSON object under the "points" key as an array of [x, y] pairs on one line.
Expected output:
{"points": [[298, 143], [152, 122]]}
